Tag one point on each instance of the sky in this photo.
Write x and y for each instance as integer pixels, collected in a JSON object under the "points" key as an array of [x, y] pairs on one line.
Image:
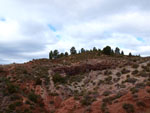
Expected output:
{"points": [[29, 29]]}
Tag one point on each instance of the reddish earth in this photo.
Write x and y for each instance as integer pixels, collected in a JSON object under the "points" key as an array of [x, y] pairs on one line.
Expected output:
{"points": [[86, 86]]}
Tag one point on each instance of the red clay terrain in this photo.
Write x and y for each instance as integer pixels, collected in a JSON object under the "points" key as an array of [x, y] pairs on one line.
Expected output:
{"points": [[84, 83]]}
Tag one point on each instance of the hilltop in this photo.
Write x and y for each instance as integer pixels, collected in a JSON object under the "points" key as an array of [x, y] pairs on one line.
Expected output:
{"points": [[80, 83]]}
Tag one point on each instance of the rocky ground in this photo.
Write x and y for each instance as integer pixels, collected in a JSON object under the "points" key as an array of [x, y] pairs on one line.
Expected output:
{"points": [[82, 83]]}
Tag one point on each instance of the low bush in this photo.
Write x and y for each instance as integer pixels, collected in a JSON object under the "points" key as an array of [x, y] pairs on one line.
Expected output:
{"points": [[38, 81], [57, 78], [135, 66], [87, 100], [118, 74], [140, 85], [135, 72], [141, 104], [131, 80], [33, 97], [134, 90], [125, 71], [107, 93], [129, 108]]}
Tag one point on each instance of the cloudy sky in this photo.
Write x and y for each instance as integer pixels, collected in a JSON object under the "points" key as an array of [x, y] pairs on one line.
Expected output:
{"points": [[29, 29]]}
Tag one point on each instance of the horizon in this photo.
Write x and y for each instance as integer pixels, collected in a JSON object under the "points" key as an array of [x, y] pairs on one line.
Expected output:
{"points": [[31, 29]]}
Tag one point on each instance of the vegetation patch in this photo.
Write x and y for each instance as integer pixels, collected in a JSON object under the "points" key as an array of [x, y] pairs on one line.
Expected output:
{"points": [[129, 108], [57, 78]]}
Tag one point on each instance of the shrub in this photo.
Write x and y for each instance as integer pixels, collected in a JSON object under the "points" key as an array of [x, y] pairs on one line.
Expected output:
{"points": [[12, 107], [131, 80], [38, 81], [107, 93], [107, 72], [104, 107], [148, 83], [125, 71], [135, 72], [116, 79], [128, 76], [141, 104], [143, 74], [140, 85], [15, 97], [134, 90], [135, 66], [58, 78], [19, 103], [12, 88], [33, 97], [118, 74], [87, 100], [108, 80], [128, 107]]}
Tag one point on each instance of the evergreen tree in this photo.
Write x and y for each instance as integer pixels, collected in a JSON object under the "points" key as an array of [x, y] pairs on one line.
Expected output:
{"points": [[117, 51], [73, 51], [107, 50], [51, 55], [55, 54], [61, 55], [130, 54], [66, 53], [94, 49], [122, 53], [82, 50]]}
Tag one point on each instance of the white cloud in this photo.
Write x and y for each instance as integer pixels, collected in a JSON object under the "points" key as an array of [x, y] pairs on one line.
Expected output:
{"points": [[24, 31]]}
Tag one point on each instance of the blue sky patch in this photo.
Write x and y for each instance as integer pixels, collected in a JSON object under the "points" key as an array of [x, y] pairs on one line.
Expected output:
{"points": [[52, 27], [58, 36], [140, 39], [2, 19]]}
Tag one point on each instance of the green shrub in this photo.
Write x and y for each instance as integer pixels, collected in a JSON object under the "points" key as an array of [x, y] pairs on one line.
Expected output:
{"points": [[12, 88], [38, 81], [135, 66], [15, 97], [140, 85], [58, 79], [131, 80], [143, 74], [107, 93], [134, 90], [12, 106], [118, 74], [135, 72], [104, 107], [107, 72], [18, 103], [87, 100], [141, 104], [125, 71], [129, 108], [33, 97]]}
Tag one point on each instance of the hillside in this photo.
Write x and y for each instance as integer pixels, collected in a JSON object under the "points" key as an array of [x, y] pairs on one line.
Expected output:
{"points": [[82, 83]]}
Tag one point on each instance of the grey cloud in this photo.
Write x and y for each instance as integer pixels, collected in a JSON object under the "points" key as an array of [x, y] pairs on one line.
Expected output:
{"points": [[85, 23]]}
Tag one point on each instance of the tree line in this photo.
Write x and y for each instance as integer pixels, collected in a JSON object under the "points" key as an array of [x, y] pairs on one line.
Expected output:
{"points": [[106, 50]]}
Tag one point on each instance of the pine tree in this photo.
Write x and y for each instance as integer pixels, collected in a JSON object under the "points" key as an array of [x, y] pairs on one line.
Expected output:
{"points": [[122, 53], [94, 49], [130, 54], [107, 50], [82, 50], [117, 51], [55, 54], [73, 51], [66, 53], [51, 55]]}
